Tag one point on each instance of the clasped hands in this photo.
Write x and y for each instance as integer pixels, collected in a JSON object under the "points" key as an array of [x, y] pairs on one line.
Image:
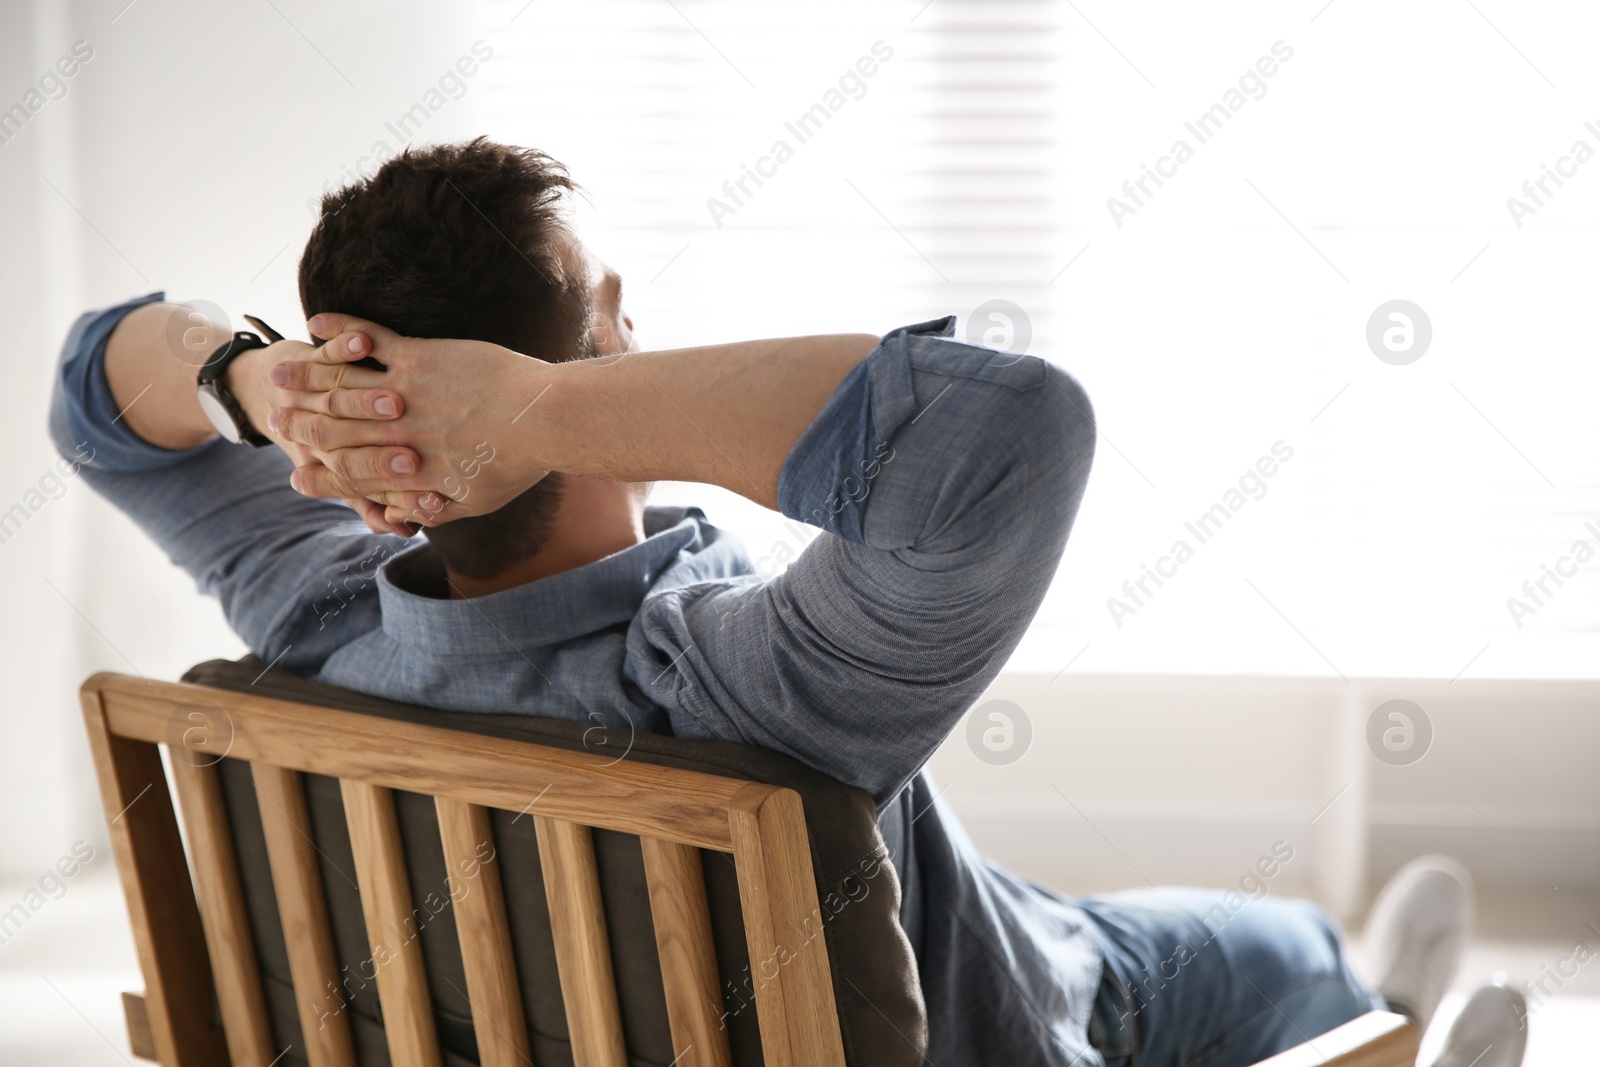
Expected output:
{"points": [[440, 434]]}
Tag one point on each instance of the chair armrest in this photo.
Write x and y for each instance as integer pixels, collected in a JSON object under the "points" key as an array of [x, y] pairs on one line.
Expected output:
{"points": [[1376, 1039]]}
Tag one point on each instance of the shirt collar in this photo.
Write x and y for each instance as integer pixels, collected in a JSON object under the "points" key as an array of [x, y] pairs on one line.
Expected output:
{"points": [[680, 547]]}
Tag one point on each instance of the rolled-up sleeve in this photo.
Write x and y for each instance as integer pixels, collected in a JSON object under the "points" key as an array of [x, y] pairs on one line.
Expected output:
{"points": [[295, 576], [85, 423], [946, 478]]}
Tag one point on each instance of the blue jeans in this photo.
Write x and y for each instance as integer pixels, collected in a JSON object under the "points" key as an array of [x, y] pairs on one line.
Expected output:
{"points": [[1193, 982]]}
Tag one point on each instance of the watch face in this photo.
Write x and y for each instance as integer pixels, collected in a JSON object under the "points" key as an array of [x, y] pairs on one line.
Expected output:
{"points": [[218, 413]]}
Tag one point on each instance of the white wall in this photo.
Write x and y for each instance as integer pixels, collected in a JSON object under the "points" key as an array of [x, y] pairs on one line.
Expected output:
{"points": [[1189, 779], [190, 144], [39, 648]]}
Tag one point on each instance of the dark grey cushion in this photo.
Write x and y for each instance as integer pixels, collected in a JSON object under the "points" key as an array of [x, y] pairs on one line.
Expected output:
{"points": [[881, 1012]]}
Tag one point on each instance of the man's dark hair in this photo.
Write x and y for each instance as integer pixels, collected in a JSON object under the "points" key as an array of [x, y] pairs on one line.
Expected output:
{"points": [[461, 240]]}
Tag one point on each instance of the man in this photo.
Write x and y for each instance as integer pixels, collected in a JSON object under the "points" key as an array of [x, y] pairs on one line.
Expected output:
{"points": [[945, 481]]}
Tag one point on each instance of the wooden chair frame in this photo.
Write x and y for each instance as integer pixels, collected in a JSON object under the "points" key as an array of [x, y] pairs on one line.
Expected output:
{"points": [[196, 950], [203, 1002]]}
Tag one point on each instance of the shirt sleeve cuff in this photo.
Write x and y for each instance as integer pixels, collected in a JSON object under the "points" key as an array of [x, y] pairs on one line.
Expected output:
{"points": [[830, 469], [85, 422]]}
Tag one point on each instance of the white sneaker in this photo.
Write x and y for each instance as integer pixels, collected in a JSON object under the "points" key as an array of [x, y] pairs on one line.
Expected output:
{"points": [[1416, 933], [1491, 1031]]}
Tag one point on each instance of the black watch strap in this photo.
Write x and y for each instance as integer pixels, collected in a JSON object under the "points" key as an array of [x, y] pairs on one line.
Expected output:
{"points": [[210, 381]]}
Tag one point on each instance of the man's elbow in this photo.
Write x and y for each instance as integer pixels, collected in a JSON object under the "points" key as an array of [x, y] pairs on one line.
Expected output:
{"points": [[1035, 470], [1066, 425]]}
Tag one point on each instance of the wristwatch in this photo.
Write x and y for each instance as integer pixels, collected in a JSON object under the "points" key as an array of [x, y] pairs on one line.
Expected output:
{"points": [[217, 401]]}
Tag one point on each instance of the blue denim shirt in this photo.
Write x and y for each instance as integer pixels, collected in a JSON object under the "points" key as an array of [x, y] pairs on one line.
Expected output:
{"points": [[945, 480]]}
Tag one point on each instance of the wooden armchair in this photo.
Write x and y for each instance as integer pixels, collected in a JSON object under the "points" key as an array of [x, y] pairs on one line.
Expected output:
{"points": [[211, 924]]}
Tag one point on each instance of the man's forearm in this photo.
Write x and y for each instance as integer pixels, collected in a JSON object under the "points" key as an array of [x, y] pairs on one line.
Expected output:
{"points": [[151, 366], [726, 415], [153, 385]]}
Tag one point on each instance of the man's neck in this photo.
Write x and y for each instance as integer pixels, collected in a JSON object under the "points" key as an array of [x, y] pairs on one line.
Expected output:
{"points": [[595, 519]]}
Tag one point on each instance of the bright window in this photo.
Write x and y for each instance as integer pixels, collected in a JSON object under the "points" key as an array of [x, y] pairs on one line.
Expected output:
{"points": [[1341, 514]]}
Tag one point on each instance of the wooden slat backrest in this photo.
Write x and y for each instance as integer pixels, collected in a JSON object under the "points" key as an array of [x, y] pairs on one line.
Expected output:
{"points": [[222, 910], [480, 907], [583, 951], [303, 908], [391, 929], [688, 962], [675, 813]]}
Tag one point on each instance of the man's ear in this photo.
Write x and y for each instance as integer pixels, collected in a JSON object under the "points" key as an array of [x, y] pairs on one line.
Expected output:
{"points": [[604, 337]]}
